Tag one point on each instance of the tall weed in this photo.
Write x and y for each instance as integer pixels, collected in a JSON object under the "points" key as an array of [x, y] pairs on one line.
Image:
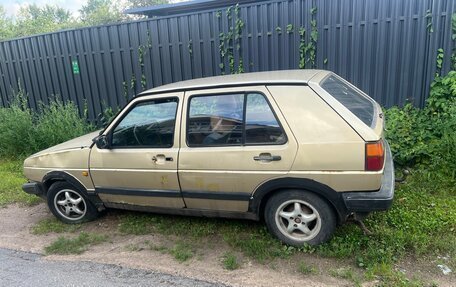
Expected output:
{"points": [[24, 131], [17, 133], [58, 122]]}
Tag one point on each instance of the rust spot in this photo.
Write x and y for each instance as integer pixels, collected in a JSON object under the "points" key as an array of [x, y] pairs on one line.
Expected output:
{"points": [[164, 179], [213, 187], [199, 182]]}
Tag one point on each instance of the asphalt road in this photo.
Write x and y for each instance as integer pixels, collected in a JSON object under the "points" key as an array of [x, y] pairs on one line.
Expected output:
{"points": [[28, 269]]}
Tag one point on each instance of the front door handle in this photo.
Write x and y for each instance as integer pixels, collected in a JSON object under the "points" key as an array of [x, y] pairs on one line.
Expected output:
{"points": [[267, 157]]}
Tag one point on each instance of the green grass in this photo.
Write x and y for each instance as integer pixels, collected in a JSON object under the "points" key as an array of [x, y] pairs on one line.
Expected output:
{"points": [[230, 261], [182, 251], [11, 180], [346, 273], [133, 247], [140, 224], [388, 276], [75, 245], [421, 223], [52, 225], [136, 224], [306, 269], [251, 238], [159, 248]]}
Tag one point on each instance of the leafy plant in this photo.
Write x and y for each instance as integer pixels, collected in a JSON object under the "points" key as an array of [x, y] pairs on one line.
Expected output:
{"points": [[24, 131], [425, 137]]}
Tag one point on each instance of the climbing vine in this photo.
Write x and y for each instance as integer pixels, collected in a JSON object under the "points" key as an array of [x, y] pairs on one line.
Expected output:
{"points": [[142, 51], [308, 49], [290, 28], [231, 41], [238, 27], [132, 84], [439, 62], [428, 17], [453, 38]]}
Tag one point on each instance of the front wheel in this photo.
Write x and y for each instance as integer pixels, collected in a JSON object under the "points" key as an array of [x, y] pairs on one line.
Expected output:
{"points": [[297, 217], [69, 204]]}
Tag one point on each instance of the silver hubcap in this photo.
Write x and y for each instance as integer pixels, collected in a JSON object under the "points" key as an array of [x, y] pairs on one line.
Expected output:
{"points": [[70, 204], [298, 220]]}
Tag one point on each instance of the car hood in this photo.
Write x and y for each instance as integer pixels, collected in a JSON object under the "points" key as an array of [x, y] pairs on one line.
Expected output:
{"points": [[81, 142]]}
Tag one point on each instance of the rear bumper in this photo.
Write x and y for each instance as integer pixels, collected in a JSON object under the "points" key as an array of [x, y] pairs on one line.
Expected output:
{"points": [[374, 200], [33, 188]]}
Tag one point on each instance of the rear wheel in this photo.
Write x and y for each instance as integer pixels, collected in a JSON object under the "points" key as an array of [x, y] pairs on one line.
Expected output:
{"points": [[69, 204], [297, 217]]}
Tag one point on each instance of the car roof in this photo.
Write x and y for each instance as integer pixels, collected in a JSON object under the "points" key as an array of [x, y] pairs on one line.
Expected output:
{"points": [[257, 78]]}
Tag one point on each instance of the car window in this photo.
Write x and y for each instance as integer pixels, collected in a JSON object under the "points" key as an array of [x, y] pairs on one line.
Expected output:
{"points": [[217, 120], [261, 125], [147, 124], [358, 104]]}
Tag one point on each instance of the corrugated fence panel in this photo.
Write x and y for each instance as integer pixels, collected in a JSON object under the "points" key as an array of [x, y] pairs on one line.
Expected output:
{"points": [[387, 48]]}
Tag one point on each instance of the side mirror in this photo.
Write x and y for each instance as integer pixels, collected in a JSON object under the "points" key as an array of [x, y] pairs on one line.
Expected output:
{"points": [[101, 142]]}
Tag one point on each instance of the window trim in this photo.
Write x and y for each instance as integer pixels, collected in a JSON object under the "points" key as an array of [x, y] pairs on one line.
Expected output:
{"points": [[111, 131], [244, 115]]}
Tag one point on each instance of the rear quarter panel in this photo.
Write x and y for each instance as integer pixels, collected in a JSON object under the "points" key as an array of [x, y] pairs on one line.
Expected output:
{"points": [[330, 151], [367, 133]]}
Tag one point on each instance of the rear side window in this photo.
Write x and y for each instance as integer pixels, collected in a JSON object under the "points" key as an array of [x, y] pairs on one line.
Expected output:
{"points": [[232, 119], [261, 125], [358, 104]]}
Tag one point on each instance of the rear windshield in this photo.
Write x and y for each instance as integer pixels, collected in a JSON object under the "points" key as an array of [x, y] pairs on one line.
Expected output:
{"points": [[358, 104]]}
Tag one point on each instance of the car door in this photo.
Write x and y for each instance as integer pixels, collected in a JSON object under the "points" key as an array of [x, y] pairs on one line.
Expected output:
{"points": [[140, 165], [232, 140]]}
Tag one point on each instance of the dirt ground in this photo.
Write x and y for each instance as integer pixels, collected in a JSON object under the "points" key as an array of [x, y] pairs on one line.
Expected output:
{"points": [[16, 222]]}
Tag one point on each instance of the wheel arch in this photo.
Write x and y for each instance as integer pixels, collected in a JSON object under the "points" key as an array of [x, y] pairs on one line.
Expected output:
{"points": [[56, 176], [266, 190]]}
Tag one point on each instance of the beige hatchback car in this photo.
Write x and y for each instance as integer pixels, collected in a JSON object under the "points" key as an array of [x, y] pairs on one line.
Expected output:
{"points": [[302, 150]]}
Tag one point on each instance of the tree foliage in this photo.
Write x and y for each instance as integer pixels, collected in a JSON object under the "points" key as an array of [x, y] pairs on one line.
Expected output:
{"points": [[98, 12], [145, 3], [6, 25], [33, 19]]}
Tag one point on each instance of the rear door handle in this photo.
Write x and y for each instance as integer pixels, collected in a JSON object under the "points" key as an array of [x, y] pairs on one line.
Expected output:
{"points": [[267, 157], [159, 158]]}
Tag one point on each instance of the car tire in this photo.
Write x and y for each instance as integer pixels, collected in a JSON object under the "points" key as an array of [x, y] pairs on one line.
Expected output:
{"points": [[299, 217], [69, 204]]}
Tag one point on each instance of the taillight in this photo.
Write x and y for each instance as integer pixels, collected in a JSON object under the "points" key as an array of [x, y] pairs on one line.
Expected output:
{"points": [[375, 155]]}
